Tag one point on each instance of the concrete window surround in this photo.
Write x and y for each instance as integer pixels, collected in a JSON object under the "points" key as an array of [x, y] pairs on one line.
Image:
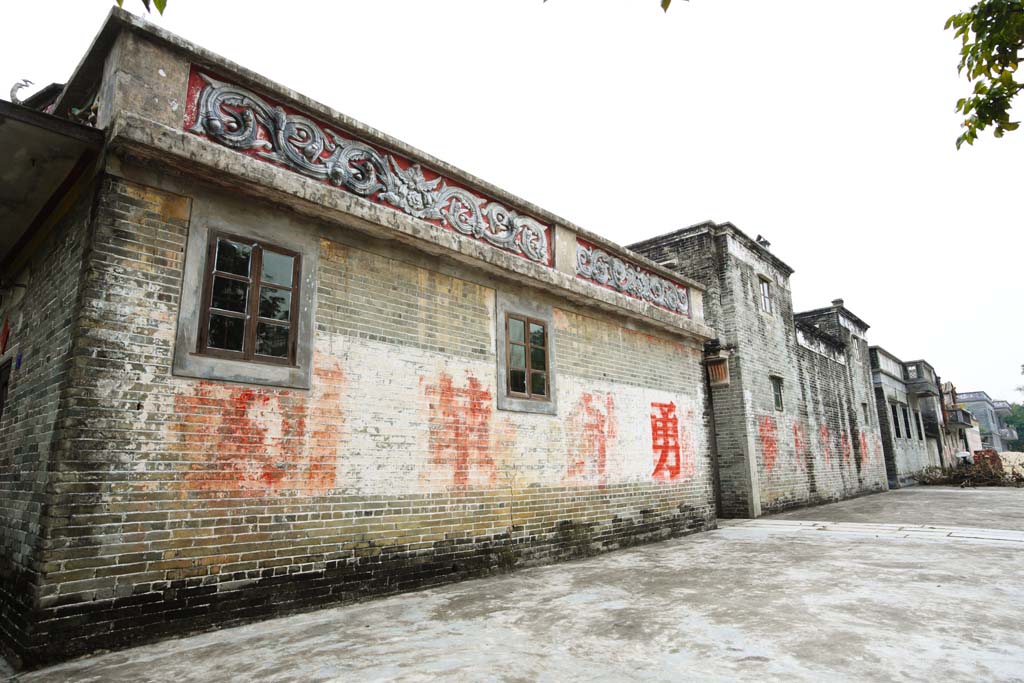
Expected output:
{"points": [[523, 307], [212, 216]]}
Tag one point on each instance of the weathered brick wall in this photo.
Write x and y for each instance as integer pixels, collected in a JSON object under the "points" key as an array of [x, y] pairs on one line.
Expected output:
{"points": [[816, 449], [41, 319], [182, 503]]}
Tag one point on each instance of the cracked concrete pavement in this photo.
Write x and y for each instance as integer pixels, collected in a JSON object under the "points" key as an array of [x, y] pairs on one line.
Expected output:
{"points": [[912, 585]]}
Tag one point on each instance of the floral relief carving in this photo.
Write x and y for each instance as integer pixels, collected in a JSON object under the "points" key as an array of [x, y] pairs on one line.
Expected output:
{"points": [[240, 119], [609, 270]]}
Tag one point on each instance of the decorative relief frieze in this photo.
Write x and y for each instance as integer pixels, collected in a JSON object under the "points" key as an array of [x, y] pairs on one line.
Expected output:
{"points": [[609, 270], [240, 119]]}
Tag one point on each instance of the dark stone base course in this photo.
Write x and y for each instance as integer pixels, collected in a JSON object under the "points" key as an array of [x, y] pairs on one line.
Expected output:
{"points": [[784, 504], [193, 605]]}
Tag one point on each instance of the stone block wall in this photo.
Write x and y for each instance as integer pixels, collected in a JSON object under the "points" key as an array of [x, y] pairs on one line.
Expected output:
{"points": [[183, 503], [41, 320]]}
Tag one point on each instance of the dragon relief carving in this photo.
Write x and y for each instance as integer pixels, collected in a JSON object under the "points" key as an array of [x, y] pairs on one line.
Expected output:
{"points": [[611, 271], [236, 117]]}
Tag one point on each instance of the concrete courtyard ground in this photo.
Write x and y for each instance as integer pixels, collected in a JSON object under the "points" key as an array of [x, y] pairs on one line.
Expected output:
{"points": [[920, 584]]}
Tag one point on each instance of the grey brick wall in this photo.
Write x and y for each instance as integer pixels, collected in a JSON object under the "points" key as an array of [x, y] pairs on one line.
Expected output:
{"points": [[42, 319], [179, 503]]}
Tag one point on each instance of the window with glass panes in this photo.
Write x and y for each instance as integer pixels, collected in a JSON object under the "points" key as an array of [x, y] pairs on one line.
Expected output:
{"points": [[250, 301], [777, 392], [527, 353], [766, 295]]}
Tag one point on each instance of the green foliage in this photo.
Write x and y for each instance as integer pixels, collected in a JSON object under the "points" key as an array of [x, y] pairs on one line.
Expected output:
{"points": [[992, 36], [148, 4]]}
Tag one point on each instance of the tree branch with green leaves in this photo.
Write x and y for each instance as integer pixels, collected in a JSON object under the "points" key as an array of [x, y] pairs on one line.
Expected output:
{"points": [[992, 36], [148, 4]]}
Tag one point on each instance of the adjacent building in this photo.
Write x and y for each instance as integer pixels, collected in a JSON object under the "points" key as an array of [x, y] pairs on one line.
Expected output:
{"points": [[989, 412], [791, 393], [902, 392]]}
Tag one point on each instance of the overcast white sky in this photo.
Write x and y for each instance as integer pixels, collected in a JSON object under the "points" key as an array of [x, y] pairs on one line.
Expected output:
{"points": [[826, 126]]}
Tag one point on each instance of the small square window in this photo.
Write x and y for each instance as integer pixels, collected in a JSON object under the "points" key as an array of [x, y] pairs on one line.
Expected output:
{"points": [[250, 300], [526, 356], [766, 295], [777, 392]]}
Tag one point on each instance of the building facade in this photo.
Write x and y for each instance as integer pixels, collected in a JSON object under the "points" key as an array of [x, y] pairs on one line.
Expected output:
{"points": [[793, 410], [261, 357], [989, 413], [901, 391], [959, 428]]}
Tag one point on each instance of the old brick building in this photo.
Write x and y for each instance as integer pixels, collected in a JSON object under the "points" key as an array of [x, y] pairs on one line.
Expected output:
{"points": [[989, 413], [262, 357], [794, 414], [902, 392], [258, 357]]}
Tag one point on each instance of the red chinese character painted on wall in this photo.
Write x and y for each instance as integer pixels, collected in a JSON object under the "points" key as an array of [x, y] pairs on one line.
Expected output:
{"points": [[800, 444], [665, 441], [460, 431], [768, 433], [671, 443], [591, 427]]}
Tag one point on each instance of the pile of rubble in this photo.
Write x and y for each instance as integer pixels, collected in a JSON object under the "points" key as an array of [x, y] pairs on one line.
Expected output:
{"points": [[988, 469]]}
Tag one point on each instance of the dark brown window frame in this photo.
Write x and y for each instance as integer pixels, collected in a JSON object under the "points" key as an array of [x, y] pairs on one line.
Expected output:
{"points": [[251, 317], [529, 346]]}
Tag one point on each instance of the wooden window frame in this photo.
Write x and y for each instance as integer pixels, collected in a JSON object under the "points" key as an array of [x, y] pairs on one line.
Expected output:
{"points": [[251, 317], [529, 395]]}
